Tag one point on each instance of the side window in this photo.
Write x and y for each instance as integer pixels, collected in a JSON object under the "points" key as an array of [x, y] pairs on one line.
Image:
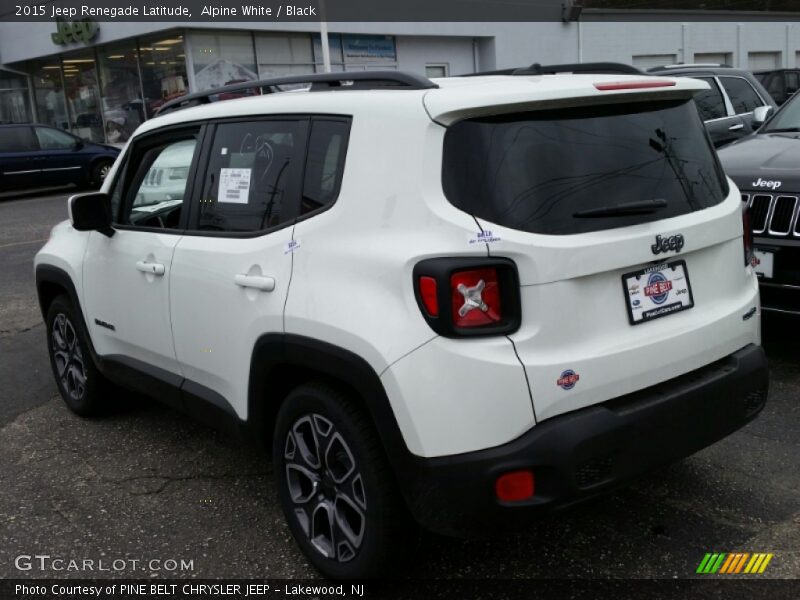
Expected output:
{"points": [[17, 139], [792, 82], [710, 103], [252, 176], [743, 97], [53, 139], [157, 192], [327, 148]]}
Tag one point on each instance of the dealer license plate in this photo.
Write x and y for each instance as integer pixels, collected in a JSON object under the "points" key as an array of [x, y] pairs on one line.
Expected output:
{"points": [[763, 263], [657, 291]]}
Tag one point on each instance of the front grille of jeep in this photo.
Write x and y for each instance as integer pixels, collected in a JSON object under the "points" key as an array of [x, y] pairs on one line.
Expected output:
{"points": [[773, 214]]}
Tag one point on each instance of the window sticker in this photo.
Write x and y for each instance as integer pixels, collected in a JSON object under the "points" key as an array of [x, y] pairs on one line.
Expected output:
{"points": [[234, 186]]}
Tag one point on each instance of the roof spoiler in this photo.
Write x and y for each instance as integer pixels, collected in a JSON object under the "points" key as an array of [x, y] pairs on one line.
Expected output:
{"points": [[597, 68], [353, 80]]}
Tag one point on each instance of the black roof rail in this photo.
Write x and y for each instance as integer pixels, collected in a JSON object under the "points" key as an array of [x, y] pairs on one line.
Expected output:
{"points": [[346, 80], [597, 68]]}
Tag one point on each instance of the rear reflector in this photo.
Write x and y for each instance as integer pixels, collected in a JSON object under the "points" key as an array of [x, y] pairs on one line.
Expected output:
{"points": [[427, 291], [632, 85], [514, 486]]}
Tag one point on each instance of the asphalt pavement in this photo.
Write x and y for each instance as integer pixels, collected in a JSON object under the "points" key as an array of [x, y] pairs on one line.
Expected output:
{"points": [[146, 484]]}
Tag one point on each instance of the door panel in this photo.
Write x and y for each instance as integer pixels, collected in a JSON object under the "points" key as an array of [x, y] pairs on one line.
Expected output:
{"points": [[60, 158], [725, 131], [19, 166], [127, 308], [127, 276], [225, 294], [230, 278]]}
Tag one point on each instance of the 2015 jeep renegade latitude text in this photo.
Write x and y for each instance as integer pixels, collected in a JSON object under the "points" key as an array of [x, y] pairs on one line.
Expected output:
{"points": [[467, 300]]}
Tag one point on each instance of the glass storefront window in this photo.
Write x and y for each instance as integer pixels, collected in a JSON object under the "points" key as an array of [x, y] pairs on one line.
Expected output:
{"points": [[163, 67], [13, 98], [222, 59], [48, 92], [351, 52], [284, 54], [121, 91], [83, 95]]}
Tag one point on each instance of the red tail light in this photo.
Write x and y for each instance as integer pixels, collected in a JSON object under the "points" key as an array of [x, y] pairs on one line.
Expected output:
{"points": [[468, 296], [514, 486], [427, 291], [475, 298], [747, 236]]}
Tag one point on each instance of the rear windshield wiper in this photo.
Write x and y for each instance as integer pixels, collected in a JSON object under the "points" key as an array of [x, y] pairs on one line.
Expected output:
{"points": [[640, 207]]}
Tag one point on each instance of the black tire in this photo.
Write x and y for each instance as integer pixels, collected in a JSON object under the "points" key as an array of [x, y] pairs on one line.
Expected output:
{"points": [[80, 383], [98, 173], [362, 529]]}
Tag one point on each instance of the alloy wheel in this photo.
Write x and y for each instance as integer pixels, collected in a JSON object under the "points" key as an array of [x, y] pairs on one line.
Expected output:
{"points": [[325, 487], [68, 358]]}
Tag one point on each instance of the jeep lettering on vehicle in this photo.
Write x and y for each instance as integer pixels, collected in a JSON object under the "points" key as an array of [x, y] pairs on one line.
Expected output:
{"points": [[767, 183], [667, 244]]}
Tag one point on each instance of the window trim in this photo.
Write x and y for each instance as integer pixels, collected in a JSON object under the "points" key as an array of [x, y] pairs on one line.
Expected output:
{"points": [[342, 165], [727, 96], [304, 137], [205, 159], [142, 144], [725, 100]]}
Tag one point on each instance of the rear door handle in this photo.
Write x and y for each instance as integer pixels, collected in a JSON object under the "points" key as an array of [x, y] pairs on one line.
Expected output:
{"points": [[736, 127], [264, 284], [150, 267]]}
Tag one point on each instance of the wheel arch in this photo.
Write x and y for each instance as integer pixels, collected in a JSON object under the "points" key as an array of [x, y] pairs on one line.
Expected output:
{"points": [[281, 362], [53, 281]]}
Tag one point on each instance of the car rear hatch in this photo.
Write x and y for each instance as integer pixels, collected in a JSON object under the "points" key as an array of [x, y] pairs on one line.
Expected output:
{"points": [[624, 230]]}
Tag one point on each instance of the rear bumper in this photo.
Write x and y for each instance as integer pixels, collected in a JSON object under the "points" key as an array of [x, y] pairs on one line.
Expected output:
{"points": [[589, 451]]}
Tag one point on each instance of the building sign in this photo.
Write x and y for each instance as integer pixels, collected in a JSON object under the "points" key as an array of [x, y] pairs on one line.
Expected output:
{"points": [[368, 47], [73, 32]]}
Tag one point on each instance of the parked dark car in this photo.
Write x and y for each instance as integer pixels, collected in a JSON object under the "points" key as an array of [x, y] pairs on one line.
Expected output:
{"points": [[34, 155], [780, 83], [766, 168], [727, 108]]}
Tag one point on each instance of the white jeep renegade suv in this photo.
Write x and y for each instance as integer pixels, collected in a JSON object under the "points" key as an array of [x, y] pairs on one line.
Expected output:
{"points": [[468, 300]]}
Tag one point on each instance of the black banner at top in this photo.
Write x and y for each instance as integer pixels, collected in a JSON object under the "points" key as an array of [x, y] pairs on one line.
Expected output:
{"points": [[281, 10], [391, 10]]}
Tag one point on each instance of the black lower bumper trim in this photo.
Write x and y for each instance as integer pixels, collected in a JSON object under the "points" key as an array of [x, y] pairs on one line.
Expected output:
{"points": [[589, 451]]}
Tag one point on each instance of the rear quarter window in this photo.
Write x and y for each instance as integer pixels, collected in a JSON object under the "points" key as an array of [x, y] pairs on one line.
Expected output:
{"points": [[542, 171], [17, 139]]}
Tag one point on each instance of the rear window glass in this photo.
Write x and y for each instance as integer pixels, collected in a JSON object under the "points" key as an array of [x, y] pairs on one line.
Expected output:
{"points": [[555, 172]]}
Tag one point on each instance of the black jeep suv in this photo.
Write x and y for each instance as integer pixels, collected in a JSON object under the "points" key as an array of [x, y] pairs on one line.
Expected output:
{"points": [[766, 168]]}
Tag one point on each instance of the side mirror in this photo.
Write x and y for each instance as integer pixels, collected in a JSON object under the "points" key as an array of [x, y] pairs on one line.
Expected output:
{"points": [[91, 212], [77, 145], [760, 115]]}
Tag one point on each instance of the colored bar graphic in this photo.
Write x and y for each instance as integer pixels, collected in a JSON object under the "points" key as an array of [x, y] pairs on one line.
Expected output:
{"points": [[734, 562]]}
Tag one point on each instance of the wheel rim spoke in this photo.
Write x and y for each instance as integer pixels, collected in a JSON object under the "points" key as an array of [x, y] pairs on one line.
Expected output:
{"points": [[303, 483], [322, 528], [305, 436]]}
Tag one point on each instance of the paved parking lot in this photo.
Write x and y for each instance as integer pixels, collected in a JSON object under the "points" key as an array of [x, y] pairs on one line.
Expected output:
{"points": [[146, 484]]}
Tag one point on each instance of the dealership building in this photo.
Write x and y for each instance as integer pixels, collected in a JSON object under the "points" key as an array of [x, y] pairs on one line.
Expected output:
{"points": [[118, 74]]}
